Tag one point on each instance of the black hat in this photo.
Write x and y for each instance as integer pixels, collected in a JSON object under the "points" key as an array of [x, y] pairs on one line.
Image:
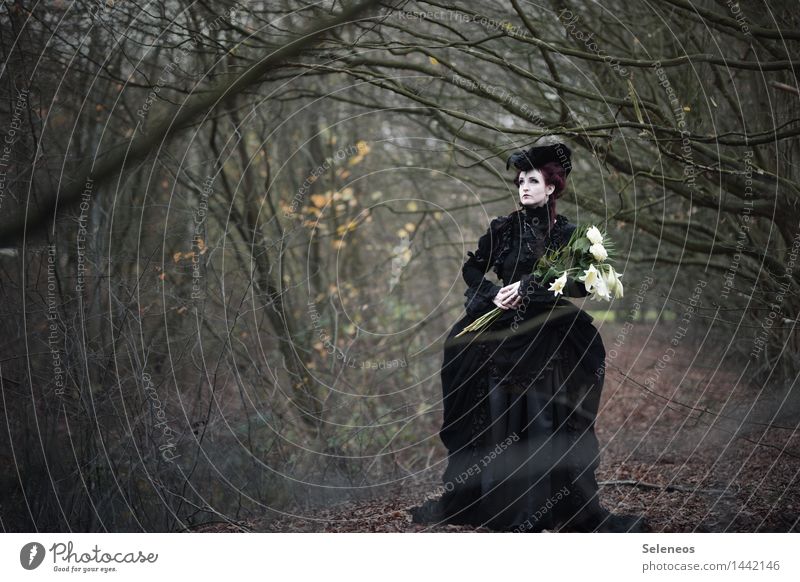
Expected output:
{"points": [[537, 156]]}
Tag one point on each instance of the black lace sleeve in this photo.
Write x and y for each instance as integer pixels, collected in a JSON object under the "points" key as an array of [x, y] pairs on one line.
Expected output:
{"points": [[480, 290], [535, 292], [538, 292]]}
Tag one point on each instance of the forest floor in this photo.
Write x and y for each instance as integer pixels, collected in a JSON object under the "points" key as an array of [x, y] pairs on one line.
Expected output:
{"points": [[697, 452]]}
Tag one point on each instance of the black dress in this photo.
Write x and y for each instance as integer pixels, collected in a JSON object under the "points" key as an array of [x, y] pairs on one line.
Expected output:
{"points": [[520, 398]]}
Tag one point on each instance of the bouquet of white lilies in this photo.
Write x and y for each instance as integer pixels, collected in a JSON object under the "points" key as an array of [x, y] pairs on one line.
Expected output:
{"points": [[584, 258], [587, 251]]}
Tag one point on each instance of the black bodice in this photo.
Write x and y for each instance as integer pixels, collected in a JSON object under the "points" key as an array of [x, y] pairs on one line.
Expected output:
{"points": [[511, 246], [528, 242]]}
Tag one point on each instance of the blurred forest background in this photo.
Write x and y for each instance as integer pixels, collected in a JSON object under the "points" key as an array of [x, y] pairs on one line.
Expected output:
{"points": [[231, 236]]}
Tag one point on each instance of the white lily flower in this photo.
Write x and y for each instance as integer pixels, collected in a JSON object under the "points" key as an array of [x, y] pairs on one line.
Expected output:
{"points": [[557, 286], [598, 252], [601, 290], [590, 278], [614, 283], [594, 235]]}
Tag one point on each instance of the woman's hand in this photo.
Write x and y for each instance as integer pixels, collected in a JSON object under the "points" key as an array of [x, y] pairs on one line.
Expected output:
{"points": [[508, 297]]}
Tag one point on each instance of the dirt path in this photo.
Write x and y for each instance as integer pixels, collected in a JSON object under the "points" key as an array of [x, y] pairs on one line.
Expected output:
{"points": [[678, 453]]}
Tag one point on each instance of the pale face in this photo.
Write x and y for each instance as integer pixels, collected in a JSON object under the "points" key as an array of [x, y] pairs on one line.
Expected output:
{"points": [[533, 191]]}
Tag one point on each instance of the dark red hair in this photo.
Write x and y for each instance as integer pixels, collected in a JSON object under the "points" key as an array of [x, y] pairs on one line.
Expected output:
{"points": [[554, 175]]}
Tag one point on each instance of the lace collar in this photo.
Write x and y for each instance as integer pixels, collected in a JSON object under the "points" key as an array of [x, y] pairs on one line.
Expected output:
{"points": [[536, 215], [535, 218]]}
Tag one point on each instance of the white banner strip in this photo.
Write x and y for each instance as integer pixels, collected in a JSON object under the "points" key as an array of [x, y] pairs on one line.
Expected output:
{"points": [[398, 557]]}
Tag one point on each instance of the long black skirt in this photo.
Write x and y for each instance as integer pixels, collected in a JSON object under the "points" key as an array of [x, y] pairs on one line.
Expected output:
{"points": [[520, 400]]}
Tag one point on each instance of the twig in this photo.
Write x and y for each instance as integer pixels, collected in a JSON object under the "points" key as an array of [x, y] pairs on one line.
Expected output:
{"points": [[644, 485]]}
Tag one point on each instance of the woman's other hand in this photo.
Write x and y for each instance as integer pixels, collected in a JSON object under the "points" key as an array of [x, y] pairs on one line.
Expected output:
{"points": [[508, 297]]}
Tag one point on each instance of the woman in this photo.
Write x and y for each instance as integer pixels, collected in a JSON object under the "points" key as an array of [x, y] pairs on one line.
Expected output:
{"points": [[520, 397]]}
